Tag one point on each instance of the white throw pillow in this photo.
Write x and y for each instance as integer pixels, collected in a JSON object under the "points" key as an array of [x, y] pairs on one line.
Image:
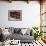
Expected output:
{"points": [[5, 32], [24, 30]]}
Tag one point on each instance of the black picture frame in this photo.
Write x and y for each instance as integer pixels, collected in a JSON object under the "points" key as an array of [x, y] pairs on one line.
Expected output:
{"points": [[14, 15]]}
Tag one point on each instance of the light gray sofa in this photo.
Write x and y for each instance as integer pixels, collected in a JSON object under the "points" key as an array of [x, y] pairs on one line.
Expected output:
{"points": [[17, 35]]}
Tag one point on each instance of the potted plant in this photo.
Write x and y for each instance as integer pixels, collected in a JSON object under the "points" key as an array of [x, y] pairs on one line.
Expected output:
{"points": [[37, 33]]}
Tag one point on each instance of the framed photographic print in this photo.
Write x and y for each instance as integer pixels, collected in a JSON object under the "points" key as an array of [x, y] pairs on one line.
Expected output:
{"points": [[14, 15]]}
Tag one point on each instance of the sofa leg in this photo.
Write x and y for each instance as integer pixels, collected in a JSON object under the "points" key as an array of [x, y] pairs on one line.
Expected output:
{"points": [[21, 44]]}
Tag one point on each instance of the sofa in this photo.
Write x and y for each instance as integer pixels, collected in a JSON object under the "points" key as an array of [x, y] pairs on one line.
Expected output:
{"points": [[22, 34]]}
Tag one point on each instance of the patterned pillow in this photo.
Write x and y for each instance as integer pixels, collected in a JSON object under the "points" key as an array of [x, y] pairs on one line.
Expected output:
{"points": [[11, 30], [17, 30]]}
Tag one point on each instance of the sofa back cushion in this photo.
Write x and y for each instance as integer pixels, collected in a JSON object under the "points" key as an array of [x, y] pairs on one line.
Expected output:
{"points": [[24, 30], [17, 30], [11, 30]]}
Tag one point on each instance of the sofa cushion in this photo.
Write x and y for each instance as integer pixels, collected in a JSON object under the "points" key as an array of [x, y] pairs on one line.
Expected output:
{"points": [[17, 30], [11, 30], [24, 30]]}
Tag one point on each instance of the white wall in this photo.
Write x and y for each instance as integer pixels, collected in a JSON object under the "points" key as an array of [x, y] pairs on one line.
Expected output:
{"points": [[30, 14]]}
